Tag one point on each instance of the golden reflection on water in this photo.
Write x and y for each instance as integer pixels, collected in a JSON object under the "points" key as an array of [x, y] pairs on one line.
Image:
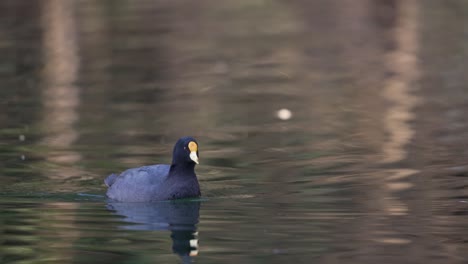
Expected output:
{"points": [[398, 90], [60, 94]]}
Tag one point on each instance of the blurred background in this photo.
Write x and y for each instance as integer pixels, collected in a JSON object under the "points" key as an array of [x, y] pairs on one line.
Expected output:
{"points": [[330, 131]]}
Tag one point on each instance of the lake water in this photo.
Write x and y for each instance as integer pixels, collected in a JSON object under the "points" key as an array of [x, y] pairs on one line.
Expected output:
{"points": [[330, 131]]}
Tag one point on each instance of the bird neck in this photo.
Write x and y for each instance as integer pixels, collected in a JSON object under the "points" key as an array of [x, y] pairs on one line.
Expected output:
{"points": [[186, 169]]}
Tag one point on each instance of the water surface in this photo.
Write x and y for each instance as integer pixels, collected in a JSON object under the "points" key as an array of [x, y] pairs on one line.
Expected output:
{"points": [[370, 166]]}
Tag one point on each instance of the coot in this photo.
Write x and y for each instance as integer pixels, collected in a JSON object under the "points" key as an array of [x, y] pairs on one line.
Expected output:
{"points": [[161, 181]]}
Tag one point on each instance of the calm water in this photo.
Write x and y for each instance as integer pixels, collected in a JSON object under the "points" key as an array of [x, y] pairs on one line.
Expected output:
{"points": [[371, 166]]}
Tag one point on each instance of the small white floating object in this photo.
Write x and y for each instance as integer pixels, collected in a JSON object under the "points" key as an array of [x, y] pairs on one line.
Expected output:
{"points": [[22, 137], [284, 114]]}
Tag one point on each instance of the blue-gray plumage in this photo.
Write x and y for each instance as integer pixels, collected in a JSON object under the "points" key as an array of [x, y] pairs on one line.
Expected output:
{"points": [[159, 182]]}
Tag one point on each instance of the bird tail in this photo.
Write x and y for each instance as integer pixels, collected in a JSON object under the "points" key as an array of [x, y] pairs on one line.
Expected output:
{"points": [[110, 179]]}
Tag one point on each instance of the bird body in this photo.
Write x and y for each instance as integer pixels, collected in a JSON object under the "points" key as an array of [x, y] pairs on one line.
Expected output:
{"points": [[161, 181]]}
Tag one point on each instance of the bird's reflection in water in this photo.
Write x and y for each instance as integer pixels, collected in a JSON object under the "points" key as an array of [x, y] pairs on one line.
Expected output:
{"points": [[179, 217]]}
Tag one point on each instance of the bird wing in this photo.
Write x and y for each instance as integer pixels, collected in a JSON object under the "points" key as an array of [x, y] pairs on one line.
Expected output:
{"points": [[138, 184]]}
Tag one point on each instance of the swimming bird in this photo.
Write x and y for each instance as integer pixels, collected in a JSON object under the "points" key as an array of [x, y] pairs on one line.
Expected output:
{"points": [[161, 181]]}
